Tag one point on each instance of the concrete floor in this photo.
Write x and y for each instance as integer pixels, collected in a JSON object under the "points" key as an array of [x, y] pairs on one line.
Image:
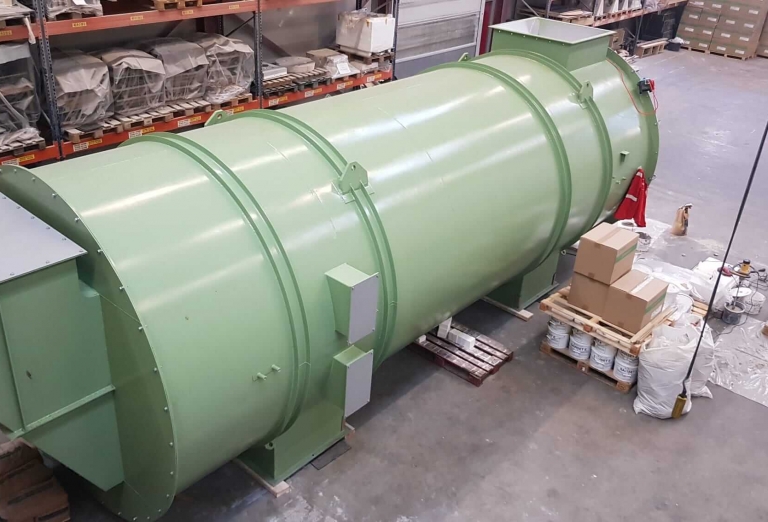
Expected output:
{"points": [[539, 441]]}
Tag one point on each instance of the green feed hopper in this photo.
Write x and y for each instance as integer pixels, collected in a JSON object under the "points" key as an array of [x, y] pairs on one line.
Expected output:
{"points": [[186, 299]]}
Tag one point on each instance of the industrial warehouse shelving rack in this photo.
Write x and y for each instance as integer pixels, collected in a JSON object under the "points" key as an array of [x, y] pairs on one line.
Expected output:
{"points": [[212, 16]]}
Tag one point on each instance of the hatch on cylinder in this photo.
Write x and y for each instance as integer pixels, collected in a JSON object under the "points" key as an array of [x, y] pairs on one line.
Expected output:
{"points": [[55, 385]]}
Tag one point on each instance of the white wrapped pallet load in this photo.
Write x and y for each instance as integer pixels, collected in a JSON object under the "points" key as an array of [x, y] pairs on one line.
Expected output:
{"points": [[625, 367], [296, 64], [137, 80], [362, 32], [186, 67], [19, 104], [663, 367], [336, 63], [231, 66], [602, 356], [83, 90], [558, 334], [580, 346]]}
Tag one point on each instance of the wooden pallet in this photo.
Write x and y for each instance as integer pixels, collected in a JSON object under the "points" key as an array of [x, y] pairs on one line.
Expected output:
{"points": [[584, 367], [563, 14], [367, 58], [188, 108], [312, 79], [145, 119], [709, 51], [233, 102], [162, 5], [471, 364], [108, 126], [557, 306], [9, 22], [650, 48], [20, 147], [72, 16]]}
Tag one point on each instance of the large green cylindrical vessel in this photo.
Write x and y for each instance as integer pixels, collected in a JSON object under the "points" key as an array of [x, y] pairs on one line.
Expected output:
{"points": [[209, 251]]}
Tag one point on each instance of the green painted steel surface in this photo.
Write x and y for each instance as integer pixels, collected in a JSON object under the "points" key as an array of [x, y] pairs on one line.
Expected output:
{"points": [[210, 249]]}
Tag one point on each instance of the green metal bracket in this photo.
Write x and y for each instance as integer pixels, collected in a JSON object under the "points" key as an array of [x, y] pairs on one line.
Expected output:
{"points": [[354, 177], [464, 57], [217, 117], [355, 297], [585, 93]]}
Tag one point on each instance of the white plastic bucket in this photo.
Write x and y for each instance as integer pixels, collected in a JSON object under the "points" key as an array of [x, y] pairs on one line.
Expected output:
{"points": [[754, 303], [558, 334], [580, 345], [625, 367], [672, 292], [602, 356]]}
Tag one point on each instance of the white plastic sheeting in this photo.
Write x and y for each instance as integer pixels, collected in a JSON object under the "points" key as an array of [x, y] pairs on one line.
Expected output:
{"points": [[19, 104], [741, 361], [186, 67], [83, 92], [231, 66], [137, 80], [57, 7]]}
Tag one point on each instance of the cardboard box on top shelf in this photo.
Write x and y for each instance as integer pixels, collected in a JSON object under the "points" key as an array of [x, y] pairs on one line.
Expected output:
{"points": [[588, 294], [606, 253], [634, 300]]}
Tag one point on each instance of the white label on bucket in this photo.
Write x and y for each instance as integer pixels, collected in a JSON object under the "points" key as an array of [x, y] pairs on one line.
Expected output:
{"points": [[600, 362], [624, 373]]}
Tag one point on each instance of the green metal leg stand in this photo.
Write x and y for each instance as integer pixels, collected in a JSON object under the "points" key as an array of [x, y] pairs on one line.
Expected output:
{"points": [[316, 430], [522, 291]]}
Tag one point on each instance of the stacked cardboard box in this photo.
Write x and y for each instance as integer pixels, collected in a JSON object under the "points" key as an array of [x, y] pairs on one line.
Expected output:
{"points": [[727, 27], [605, 284], [762, 44]]}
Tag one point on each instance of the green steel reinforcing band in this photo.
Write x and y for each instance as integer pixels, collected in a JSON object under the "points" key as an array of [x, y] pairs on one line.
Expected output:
{"points": [[604, 137], [368, 213], [281, 265], [554, 139], [649, 116]]}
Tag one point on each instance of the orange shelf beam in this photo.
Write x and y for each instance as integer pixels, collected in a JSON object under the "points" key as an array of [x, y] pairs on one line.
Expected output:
{"points": [[51, 152]]}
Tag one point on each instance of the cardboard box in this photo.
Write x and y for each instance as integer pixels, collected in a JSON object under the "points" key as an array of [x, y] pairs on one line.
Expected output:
{"points": [[696, 43], [691, 16], [606, 253], [738, 26], [763, 51], [702, 34], [729, 37], [733, 50], [634, 300], [745, 12], [693, 5], [709, 20], [588, 294], [714, 6]]}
